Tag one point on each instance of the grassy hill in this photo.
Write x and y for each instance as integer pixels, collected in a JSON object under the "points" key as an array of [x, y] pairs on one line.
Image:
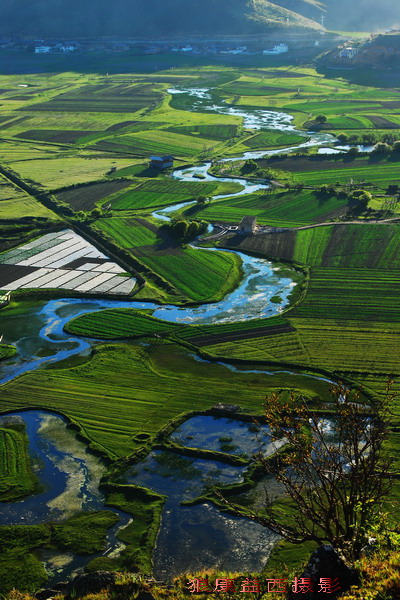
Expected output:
{"points": [[154, 19]]}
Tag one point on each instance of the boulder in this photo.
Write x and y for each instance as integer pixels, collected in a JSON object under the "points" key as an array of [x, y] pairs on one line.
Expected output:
{"points": [[325, 563], [89, 583]]}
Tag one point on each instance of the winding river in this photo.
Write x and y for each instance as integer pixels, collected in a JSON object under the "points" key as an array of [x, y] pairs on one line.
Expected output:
{"points": [[71, 476]]}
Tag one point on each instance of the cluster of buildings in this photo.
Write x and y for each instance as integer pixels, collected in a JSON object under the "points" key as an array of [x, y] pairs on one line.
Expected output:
{"points": [[41, 48]]}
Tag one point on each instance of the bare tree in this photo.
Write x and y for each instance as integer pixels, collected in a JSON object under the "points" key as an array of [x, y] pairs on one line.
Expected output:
{"points": [[337, 480]]}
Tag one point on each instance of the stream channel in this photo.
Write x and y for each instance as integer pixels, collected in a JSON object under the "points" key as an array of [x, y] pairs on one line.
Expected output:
{"points": [[193, 537]]}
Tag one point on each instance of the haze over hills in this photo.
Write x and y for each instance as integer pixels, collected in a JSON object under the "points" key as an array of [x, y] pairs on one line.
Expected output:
{"points": [[176, 18]]}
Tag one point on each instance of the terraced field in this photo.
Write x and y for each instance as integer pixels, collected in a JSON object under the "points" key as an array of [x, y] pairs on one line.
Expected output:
{"points": [[346, 325]]}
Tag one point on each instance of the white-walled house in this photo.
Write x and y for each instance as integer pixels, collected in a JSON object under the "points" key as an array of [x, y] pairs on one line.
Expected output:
{"points": [[42, 49], [278, 49]]}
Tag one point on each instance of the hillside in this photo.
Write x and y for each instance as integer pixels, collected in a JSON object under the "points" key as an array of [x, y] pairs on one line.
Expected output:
{"points": [[154, 19]]}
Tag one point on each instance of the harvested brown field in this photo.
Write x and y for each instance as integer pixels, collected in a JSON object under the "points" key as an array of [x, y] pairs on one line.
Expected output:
{"points": [[14, 122], [57, 136], [121, 125], [86, 196], [382, 123], [220, 338]]}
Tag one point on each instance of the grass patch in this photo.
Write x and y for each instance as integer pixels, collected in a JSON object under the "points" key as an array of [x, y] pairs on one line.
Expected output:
{"points": [[7, 351], [84, 533]]}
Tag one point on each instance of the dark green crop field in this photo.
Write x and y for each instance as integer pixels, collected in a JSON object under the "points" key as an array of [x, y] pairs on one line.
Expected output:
{"points": [[128, 232], [317, 170], [212, 132], [125, 322], [156, 142], [119, 323], [371, 294], [16, 476]]}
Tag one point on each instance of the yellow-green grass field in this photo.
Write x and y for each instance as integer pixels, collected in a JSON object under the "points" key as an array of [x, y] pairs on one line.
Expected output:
{"points": [[15, 203]]}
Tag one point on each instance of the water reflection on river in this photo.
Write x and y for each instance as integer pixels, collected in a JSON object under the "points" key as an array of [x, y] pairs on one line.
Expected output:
{"points": [[192, 537]]}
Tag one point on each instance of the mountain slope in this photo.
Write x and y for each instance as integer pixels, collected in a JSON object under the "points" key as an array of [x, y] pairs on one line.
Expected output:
{"points": [[151, 18]]}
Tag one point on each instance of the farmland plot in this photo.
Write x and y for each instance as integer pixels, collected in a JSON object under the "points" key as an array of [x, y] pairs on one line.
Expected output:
{"points": [[62, 260]]}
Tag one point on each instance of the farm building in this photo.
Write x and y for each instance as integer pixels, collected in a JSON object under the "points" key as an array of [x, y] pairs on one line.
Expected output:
{"points": [[161, 162], [248, 224], [348, 52]]}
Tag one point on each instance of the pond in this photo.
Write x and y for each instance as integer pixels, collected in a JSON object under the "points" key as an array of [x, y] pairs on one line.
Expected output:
{"points": [[225, 435], [192, 537]]}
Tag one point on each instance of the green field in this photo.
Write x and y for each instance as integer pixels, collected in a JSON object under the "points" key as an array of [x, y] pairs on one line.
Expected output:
{"points": [[119, 323], [281, 209], [317, 170], [266, 139], [156, 142], [85, 139], [126, 390], [16, 204], [161, 192], [16, 476], [194, 274], [86, 197]]}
